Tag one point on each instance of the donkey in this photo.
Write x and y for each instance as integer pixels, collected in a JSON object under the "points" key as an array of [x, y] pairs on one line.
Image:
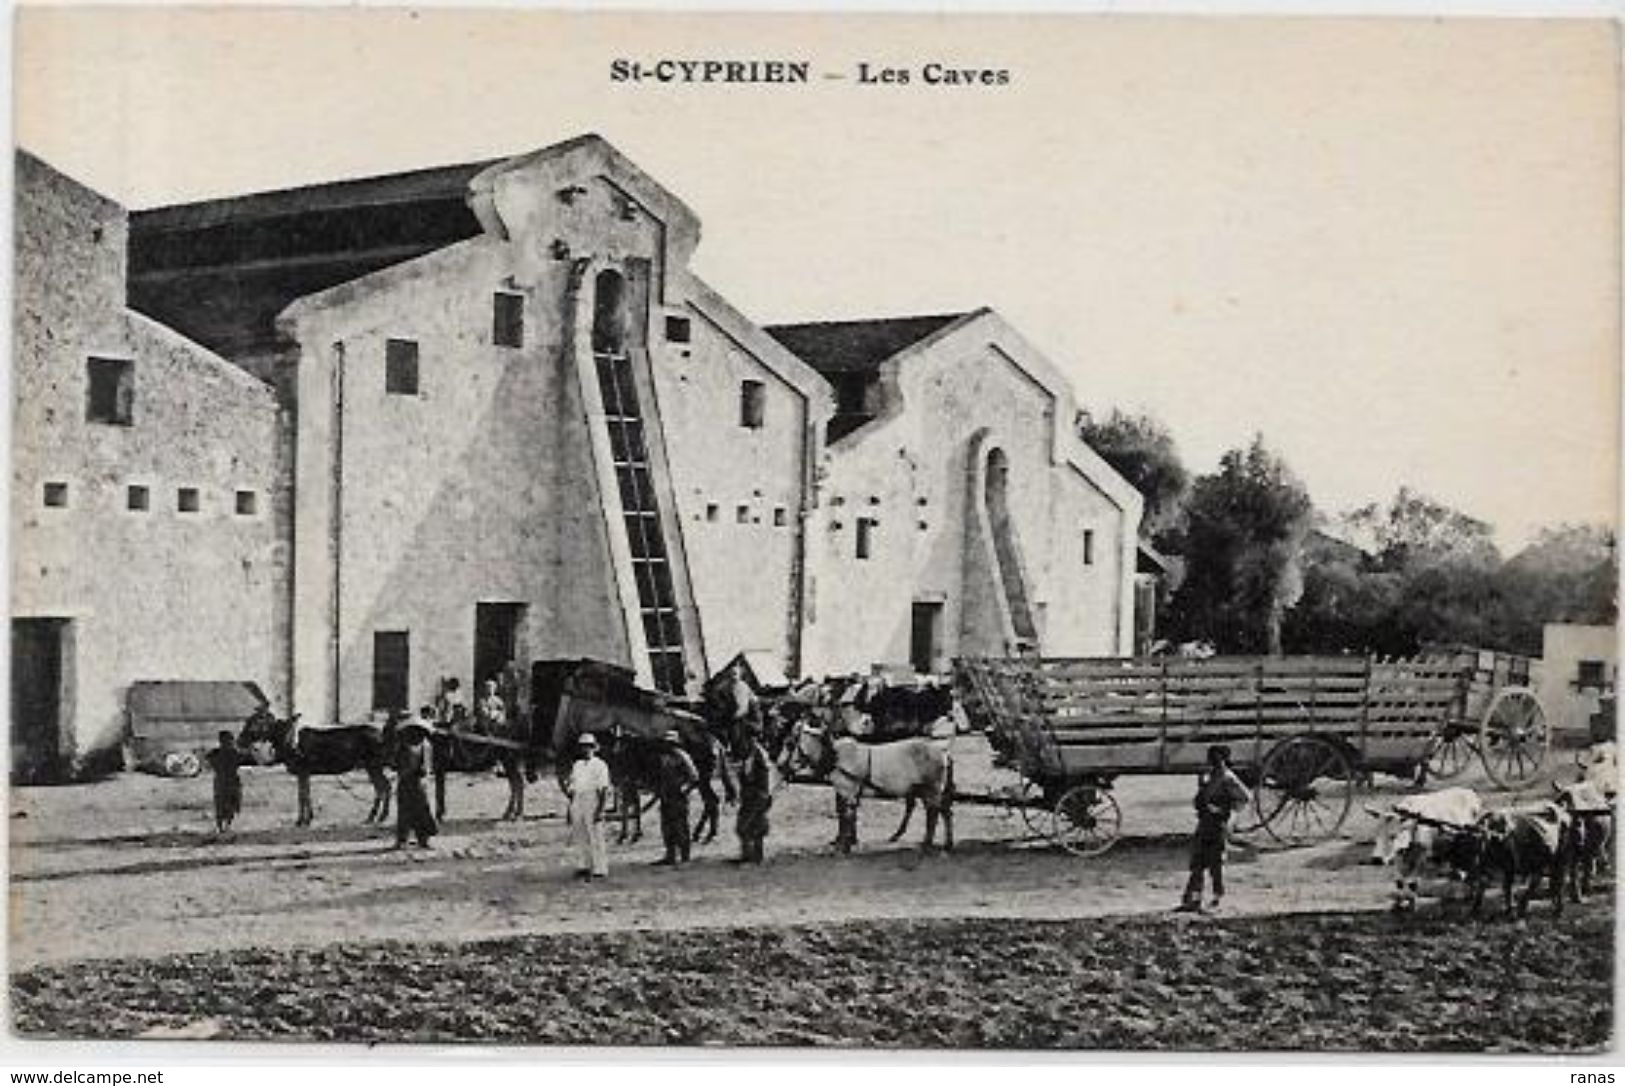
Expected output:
{"points": [[908, 769], [322, 752]]}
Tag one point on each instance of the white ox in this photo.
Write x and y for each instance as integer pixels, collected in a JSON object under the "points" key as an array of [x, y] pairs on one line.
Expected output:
{"points": [[1410, 832], [1600, 768]]}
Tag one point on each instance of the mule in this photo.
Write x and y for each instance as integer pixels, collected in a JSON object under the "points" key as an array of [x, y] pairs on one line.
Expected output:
{"points": [[912, 770], [327, 752], [634, 769]]}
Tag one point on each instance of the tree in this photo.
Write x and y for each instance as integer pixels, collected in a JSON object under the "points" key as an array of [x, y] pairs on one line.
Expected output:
{"points": [[1566, 575], [1141, 450], [1414, 530], [1245, 528]]}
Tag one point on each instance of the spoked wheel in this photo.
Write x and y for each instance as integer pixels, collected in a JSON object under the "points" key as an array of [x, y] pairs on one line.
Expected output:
{"points": [[1451, 751], [1305, 790], [1034, 815], [1513, 737], [1087, 820]]}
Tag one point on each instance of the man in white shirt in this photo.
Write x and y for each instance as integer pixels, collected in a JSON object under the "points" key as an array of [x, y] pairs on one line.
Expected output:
{"points": [[588, 790]]}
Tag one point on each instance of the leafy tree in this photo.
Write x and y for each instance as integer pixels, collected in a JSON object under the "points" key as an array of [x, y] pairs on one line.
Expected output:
{"points": [[1245, 528], [1414, 530], [1141, 450], [1566, 575]]}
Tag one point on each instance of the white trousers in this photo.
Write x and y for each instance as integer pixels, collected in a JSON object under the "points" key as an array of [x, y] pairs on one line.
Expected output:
{"points": [[587, 834]]}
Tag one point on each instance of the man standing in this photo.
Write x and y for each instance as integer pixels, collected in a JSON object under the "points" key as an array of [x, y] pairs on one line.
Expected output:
{"points": [[412, 766], [677, 776], [588, 790], [1219, 794], [755, 797]]}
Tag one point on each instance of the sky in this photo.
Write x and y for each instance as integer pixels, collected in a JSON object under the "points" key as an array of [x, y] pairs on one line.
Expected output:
{"points": [[1389, 246]]}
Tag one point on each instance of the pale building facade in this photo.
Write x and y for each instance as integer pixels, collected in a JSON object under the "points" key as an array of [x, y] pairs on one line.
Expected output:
{"points": [[515, 426], [149, 531]]}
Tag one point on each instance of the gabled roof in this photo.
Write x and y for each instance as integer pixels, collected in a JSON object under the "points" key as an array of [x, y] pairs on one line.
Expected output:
{"points": [[860, 346]]}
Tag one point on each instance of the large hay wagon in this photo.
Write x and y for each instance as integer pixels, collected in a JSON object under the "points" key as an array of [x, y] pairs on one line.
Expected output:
{"points": [[1303, 731]]}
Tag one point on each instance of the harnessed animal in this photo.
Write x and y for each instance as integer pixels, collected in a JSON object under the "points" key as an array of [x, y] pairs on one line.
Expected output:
{"points": [[325, 752], [909, 769]]}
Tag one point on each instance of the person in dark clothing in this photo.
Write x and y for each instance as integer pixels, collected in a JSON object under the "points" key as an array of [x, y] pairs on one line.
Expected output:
{"points": [[755, 797], [225, 760], [1219, 794], [677, 777], [414, 818]]}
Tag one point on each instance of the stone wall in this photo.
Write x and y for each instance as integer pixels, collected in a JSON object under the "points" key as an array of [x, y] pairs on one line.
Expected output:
{"points": [[157, 593]]}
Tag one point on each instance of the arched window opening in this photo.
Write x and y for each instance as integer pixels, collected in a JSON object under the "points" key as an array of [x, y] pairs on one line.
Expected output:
{"points": [[609, 316]]}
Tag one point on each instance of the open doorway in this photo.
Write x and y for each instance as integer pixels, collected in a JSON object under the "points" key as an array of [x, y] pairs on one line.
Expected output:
{"points": [[925, 636], [41, 672], [497, 629]]}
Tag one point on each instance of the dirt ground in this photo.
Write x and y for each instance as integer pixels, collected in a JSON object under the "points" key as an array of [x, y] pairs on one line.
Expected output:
{"points": [[130, 867], [1324, 982]]}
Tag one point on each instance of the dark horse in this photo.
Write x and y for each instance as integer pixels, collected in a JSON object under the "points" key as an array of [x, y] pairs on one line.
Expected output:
{"points": [[325, 752], [634, 768], [460, 748]]}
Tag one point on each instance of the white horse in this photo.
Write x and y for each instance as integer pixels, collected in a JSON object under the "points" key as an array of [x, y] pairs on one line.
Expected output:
{"points": [[908, 769]]}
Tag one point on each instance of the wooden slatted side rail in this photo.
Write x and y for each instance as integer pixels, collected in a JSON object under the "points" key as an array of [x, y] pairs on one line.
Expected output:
{"points": [[1056, 705]]}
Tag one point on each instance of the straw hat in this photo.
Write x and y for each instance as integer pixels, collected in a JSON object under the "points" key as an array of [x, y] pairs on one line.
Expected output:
{"points": [[587, 741]]}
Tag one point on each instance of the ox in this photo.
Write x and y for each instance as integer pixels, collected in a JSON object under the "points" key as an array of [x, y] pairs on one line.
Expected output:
{"points": [[1599, 766], [909, 769], [1591, 833], [1419, 830], [319, 752], [1532, 840]]}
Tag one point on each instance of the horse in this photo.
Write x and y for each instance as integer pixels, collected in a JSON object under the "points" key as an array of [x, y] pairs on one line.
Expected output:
{"points": [[461, 748], [324, 752], [634, 768], [908, 769]]}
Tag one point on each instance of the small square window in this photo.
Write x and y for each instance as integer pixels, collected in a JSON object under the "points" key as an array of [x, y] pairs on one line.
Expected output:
{"points": [[866, 536], [1593, 675], [248, 503], [780, 517], [401, 367], [678, 330], [187, 499], [742, 515], [508, 319], [137, 499], [711, 511], [111, 391], [752, 404], [56, 495], [1088, 546]]}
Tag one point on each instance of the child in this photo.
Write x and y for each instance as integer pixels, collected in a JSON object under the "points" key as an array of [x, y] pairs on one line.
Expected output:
{"points": [[1219, 794], [228, 786]]}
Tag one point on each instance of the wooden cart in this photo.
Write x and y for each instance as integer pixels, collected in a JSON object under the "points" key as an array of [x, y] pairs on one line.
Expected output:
{"points": [[1303, 731], [1497, 718]]}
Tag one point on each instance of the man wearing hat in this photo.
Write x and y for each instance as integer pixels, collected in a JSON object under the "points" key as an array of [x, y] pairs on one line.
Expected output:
{"points": [[413, 818], [755, 796], [588, 789], [1218, 794], [677, 776]]}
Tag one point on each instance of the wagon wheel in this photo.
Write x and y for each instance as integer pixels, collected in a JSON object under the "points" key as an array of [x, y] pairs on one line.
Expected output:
{"points": [[1451, 751], [1513, 737], [1305, 789], [1087, 820], [1035, 813]]}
